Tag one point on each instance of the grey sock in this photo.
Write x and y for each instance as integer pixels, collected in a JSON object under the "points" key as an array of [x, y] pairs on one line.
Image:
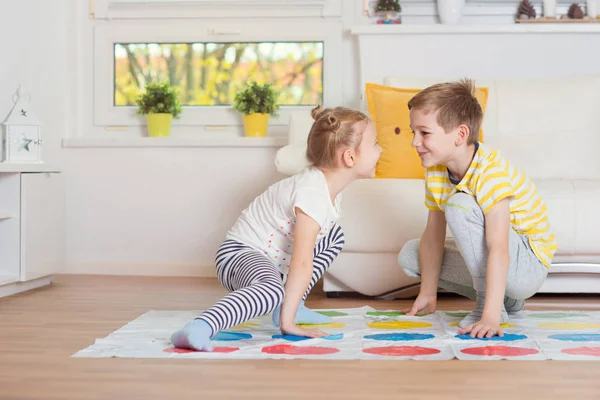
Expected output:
{"points": [[475, 315], [513, 305]]}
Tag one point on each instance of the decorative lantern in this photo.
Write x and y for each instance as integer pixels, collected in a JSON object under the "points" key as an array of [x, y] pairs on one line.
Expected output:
{"points": [[21, 133]]}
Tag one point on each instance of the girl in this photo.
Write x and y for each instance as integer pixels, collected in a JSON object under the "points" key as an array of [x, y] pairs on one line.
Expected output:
{"points": [[283, 243]]}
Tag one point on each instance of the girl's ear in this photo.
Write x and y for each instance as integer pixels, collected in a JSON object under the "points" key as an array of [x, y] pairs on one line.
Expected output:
{"points": [[348, 158], [463, 134]]}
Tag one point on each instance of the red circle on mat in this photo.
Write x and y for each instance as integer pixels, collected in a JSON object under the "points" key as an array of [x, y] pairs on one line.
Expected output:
{"points": [[402, 351], [505, 351], [583, 351], [215, 350], [298, 350]]}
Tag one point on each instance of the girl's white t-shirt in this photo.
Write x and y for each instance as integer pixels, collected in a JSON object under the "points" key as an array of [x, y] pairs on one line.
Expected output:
{"points": [[268, 223]]}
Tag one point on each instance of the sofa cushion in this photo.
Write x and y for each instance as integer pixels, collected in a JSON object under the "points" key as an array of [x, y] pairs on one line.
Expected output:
{"points": [[388, 108], [381, 215], [291, 159]]}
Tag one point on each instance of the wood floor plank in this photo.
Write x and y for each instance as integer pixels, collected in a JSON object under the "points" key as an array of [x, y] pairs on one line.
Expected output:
{"points": [[40, 330]]}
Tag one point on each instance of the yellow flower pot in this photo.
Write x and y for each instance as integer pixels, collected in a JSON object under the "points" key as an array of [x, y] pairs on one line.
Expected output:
{"points": [[159, 125], [256, 124]]}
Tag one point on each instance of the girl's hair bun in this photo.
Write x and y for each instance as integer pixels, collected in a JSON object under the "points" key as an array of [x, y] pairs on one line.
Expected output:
{"points": [[317, 112], [334, 123]]}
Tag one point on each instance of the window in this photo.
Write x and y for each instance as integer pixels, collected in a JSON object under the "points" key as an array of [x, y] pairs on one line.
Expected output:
{"points": [[209, 74], [210, 61]]}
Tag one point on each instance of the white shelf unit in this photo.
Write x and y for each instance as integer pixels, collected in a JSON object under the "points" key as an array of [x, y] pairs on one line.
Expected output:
{"points": [[32, 226]]}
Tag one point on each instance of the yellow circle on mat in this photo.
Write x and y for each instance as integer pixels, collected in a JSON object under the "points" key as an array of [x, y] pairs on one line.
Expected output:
{"points": [[245, 325], [399, 325], [504, 325], [568, 325], [323, 326]]}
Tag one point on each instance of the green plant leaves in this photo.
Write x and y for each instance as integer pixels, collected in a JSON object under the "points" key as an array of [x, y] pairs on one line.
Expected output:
{"points": [[159, 98], [257, 98]]}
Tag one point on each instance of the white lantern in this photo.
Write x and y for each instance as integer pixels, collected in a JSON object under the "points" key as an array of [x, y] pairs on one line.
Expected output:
{"points": [[21, 133]]}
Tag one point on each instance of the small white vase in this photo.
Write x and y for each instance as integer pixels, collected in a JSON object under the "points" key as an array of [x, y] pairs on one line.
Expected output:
{"points": [[592, 8], [450, 11], [549, 8]]}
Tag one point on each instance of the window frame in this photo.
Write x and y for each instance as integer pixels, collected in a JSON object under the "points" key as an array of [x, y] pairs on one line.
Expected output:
{"points": [[108, 33]]}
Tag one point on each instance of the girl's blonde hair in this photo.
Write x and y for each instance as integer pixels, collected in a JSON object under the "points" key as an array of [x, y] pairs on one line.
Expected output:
{"points": [[333, 129]]}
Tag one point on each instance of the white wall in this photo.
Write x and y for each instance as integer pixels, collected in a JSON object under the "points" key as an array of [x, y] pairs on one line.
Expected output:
{"points": [[159, 210], [34, 49]]}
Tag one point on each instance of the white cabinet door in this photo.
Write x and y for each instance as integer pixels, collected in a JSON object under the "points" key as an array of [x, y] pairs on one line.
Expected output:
{"points": [[10, 227], [42, 224]]}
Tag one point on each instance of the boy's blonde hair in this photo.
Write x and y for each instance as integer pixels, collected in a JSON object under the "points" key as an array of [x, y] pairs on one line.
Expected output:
{"points": [[333, 129], [456, 103]]}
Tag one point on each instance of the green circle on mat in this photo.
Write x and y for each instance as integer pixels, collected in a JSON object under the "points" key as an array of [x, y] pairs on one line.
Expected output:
{"points": [[557, 315], [385, 313], [332, 313], [458, 314]]}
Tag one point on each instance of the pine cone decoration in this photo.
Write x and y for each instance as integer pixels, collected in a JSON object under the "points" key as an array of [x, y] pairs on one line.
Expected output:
{"points": [[526, 10], [575, 12], [388, 5]]}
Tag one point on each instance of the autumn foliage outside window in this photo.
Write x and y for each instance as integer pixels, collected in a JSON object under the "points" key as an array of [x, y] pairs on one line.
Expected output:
{"points": [[210, 74]]}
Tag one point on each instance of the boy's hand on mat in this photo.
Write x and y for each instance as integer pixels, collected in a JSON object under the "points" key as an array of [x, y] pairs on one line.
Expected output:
{"points": [[424, 304], [485, 328], [298, 331]]}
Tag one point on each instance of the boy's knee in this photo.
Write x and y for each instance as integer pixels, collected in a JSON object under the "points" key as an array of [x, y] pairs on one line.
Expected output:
{"points": [[408, 258], [461, 206]]}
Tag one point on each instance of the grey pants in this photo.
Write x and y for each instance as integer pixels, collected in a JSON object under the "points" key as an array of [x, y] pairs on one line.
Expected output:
{"points": [[465, 257]]}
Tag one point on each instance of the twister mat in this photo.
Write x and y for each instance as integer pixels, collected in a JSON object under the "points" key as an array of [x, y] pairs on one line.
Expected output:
{"points": [[366, 333]]}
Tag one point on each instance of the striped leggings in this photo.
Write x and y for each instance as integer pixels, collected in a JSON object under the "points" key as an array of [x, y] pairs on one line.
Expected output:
{"points": [[255, 284]]}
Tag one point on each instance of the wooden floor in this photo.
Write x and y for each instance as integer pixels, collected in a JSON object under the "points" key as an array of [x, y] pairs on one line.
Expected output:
{"points": [[40, 330]]}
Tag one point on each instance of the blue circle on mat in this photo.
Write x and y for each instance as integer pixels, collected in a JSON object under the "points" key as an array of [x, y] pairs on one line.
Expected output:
{"points": [[231, 336], [400, 336], [508, 337], [577, 337], [294, 338]]}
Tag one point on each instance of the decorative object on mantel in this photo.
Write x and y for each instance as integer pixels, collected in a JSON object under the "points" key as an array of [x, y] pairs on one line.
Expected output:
{"points": [[160, 104], [450, 11], [549, 8], [575, 12], [574, 15], [257, 102], [563, 20], [391, 8], [591, 8], [21, 133], [526, 10]]}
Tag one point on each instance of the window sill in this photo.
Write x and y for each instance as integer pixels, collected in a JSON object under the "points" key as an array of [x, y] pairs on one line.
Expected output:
{"points": [[238, 141], [7, 167]]}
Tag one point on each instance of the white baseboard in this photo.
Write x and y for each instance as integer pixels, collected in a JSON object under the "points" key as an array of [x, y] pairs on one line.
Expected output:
{"points": [[18, 287], [143, 269]]}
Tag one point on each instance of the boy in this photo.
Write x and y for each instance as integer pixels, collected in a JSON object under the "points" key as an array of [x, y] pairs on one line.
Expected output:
{"points": [[502, 244]]}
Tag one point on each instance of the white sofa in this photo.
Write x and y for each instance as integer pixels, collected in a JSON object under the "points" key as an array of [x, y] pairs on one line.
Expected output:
{"points": [[549, 127]]}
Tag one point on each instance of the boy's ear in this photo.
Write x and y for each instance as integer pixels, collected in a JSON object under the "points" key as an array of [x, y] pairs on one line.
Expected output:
{"points": [[463, 134], [348, 158]]}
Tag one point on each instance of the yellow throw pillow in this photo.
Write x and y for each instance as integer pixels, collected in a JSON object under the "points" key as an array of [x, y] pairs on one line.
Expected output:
{"points": [[388, 107]]}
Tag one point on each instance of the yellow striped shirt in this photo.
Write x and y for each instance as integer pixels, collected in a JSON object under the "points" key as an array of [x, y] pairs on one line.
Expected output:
{"points": [[491, 178]]}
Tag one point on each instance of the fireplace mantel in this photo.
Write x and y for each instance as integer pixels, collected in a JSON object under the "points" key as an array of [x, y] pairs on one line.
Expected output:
{"points": [[477, 51], [424, 29]]}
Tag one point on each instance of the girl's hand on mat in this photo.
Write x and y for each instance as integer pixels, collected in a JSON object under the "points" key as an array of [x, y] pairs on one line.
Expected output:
{"points": [[298, 331], [484, 328], [424, 304]]}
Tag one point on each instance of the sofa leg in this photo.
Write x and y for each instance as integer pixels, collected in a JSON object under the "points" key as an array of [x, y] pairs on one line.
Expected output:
{"points": [[333, 295]]}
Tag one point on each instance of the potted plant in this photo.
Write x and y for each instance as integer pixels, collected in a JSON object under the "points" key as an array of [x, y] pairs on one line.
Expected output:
{"points": [[257, 102], [160, 104]]}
